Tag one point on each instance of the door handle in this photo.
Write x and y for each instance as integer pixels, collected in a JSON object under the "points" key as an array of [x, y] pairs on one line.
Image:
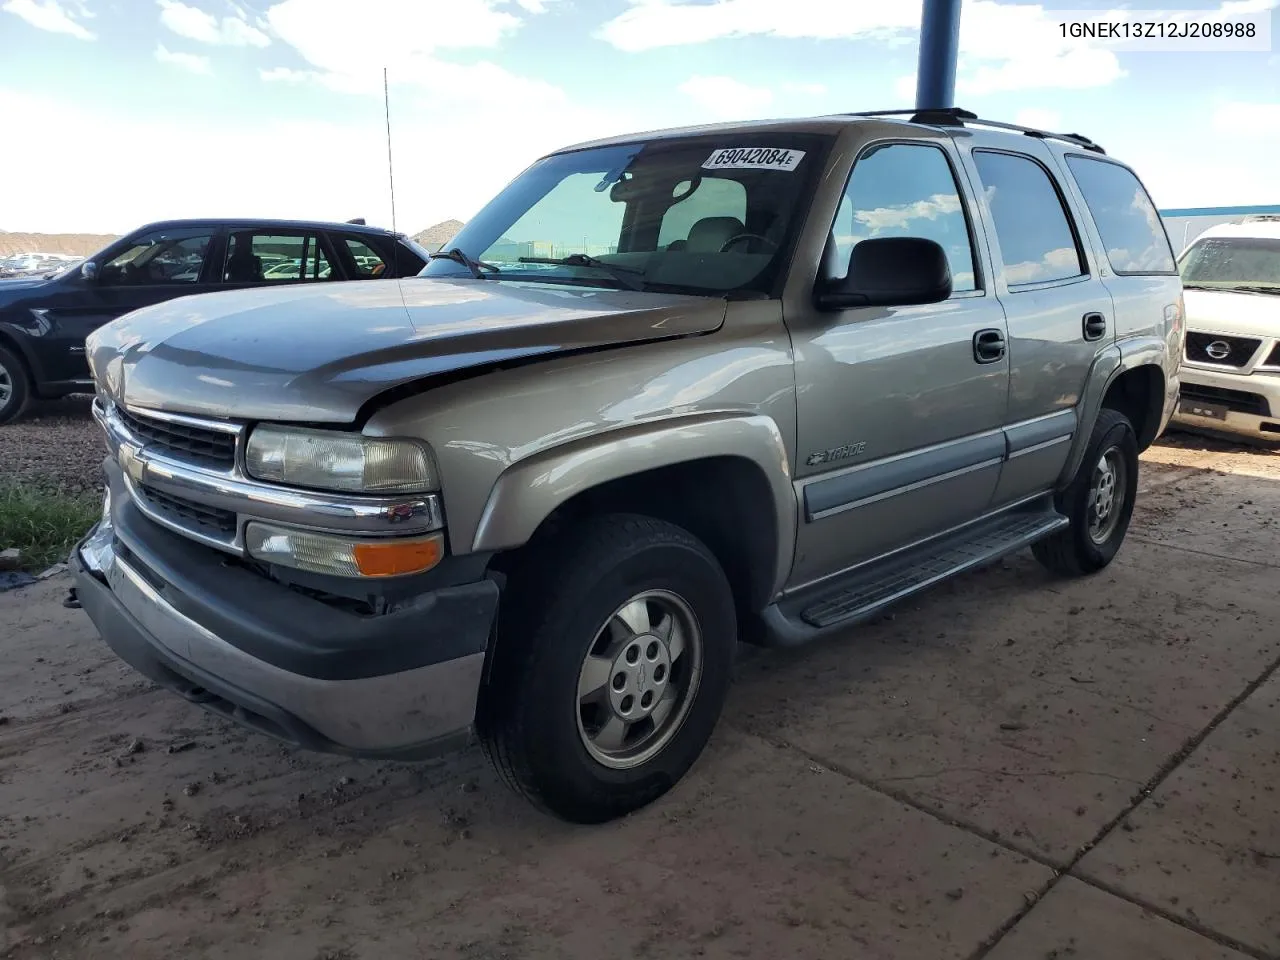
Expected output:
{"points": [[1095, 326], [988, 346]]}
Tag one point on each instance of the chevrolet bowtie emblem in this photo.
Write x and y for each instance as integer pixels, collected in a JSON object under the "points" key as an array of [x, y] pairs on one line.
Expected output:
{"points": [[131, 462]]}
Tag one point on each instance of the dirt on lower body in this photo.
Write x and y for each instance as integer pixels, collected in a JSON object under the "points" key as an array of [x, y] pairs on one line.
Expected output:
{"points": [[956, 776]]}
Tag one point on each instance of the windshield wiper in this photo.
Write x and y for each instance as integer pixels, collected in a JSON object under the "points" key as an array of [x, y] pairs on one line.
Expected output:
{"points": [[1254, 288], [627, 276], [477, 267]]}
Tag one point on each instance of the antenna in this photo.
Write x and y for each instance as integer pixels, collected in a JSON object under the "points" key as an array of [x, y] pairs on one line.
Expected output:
{"points": [[386, 100]]}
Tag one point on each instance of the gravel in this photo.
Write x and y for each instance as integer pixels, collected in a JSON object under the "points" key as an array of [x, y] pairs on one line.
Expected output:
{"points": [[56, 446]]}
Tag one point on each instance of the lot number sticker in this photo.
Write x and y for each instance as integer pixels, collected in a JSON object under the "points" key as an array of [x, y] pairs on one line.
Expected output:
{"points": [[753, 158]]}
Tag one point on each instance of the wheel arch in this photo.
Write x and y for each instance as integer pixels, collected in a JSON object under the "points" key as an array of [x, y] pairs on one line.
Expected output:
{"points": [[725, 479], [1129, 377]]}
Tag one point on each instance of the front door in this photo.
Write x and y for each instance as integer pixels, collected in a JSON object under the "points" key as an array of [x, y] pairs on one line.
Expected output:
{"points": [[154, 267], [900, 408]]}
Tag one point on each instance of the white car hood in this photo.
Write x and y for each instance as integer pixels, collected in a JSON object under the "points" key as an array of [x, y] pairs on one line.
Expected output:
{"points": [[1225, 311]]}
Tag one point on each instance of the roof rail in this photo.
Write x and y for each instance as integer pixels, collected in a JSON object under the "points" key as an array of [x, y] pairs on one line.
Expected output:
{"points": [[957, 117]]}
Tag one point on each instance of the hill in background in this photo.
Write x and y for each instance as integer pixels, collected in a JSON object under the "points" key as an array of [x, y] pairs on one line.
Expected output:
{"points": [[434, 236], [71, 244]]}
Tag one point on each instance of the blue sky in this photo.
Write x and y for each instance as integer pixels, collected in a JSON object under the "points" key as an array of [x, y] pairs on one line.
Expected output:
{"points": [[118, 112]]}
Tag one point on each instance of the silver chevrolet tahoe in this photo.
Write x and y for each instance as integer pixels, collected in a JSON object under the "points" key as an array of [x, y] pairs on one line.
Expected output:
{"points": [[666, 392]]}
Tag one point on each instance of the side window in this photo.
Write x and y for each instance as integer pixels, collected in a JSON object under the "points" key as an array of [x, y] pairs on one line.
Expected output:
{"points": [[1131, 228], [1037, 244], [274, 258], [903, 190], [368, 263], [713, 197], [158, 259], [571, 218]]}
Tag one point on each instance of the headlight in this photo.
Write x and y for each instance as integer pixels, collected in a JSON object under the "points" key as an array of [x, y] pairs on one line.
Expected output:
{"points": [[346, 462], [342, 556]]}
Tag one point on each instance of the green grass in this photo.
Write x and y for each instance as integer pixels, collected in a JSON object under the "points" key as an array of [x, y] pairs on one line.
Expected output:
{"points": [[43, 524]]}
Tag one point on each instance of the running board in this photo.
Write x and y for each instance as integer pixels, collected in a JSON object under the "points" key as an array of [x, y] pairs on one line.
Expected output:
{"points": [[867, 590]]}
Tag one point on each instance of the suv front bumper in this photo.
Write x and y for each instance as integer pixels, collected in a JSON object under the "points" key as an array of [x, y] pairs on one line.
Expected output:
{"points": [[402, 685], [1224, 402]]}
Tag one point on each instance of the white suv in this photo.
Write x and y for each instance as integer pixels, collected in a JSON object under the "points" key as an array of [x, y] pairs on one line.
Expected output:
{"points": [[1231, 367]]}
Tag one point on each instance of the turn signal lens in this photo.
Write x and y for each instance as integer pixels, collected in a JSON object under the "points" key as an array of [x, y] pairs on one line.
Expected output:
{"points": [[342, 557], [396, 557]]}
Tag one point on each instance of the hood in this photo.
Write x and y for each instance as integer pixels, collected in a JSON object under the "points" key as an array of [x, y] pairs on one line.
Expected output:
{"points": [[312, 353], [1226, 311]]}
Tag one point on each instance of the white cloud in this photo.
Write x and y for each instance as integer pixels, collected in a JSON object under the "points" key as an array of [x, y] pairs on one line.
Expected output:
{"points": [[900, 216], [196, 24], [808, 89], [347, 45], [50, 15], [1254, 121], [1004, 46], [726, 98], [191, 62], [1039, 118], [286, 75], [649, 24]]}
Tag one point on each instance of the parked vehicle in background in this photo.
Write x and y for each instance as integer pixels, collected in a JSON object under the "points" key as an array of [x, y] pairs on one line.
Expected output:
{"points": [[1231, 371], [757, 382], [44, 321]]}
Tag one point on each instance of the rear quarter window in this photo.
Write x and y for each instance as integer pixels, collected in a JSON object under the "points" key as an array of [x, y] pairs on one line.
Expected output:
{"points": [[1127, 220]]}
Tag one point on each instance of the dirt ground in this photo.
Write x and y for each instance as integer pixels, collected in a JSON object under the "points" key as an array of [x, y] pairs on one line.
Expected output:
{"points": [[1012, 767]]}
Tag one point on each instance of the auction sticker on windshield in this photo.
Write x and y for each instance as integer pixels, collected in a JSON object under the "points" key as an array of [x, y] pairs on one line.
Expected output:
{"points": [[753, 158]]}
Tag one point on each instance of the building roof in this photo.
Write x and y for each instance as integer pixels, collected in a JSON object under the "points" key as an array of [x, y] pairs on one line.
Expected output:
{"points": [[1219, 211]]}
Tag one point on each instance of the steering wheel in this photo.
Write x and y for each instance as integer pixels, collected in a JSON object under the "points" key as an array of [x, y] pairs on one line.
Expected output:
{"points": [[724, 247]]}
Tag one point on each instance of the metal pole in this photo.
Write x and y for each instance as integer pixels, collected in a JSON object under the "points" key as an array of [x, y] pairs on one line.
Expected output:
{"points": [[391, 177], [939, 44]]}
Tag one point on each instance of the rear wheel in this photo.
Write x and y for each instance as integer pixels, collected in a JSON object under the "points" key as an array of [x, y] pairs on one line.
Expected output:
{"points": [[612, 661], [15, 386], [1099, 502]]}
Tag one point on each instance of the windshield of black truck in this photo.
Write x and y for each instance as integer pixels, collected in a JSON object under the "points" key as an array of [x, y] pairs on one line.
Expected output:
{"points": [[705, 215]]}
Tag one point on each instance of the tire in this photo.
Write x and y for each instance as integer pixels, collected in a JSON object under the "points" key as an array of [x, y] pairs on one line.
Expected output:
{"points": [[1088, 544], [573, 598], [15, 386]]}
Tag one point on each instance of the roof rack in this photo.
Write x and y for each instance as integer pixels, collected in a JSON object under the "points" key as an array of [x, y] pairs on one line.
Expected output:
{"points": [[957, 117]]}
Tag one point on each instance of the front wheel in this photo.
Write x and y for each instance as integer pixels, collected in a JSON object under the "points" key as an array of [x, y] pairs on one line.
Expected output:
{"points": [[1099, 502], [612, 662]]}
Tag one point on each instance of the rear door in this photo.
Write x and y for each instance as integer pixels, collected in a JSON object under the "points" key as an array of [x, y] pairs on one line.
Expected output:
{"points": [[271, 256], [1059, 313], [1136, 259], [151, 268]]}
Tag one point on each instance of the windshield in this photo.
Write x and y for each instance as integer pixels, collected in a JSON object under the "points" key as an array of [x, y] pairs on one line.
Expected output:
{"points": [[1228, 262], [704, 215]]}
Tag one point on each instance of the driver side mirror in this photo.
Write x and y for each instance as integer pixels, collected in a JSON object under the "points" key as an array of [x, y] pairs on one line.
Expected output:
{"points": [[89, 270], [890, 271]]}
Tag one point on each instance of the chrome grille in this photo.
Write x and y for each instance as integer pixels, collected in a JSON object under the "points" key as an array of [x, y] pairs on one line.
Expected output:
{"points": [[189, 514], [186, 441], [1208, 348]]}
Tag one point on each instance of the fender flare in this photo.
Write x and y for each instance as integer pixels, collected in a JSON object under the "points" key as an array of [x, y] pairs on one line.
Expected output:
{"points": [[1117, 359], [527, 492]]}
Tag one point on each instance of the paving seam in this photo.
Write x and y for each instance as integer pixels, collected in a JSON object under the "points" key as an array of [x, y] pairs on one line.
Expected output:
{"points": [[1167, 768], [1201, 553], [1174, 761]]}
